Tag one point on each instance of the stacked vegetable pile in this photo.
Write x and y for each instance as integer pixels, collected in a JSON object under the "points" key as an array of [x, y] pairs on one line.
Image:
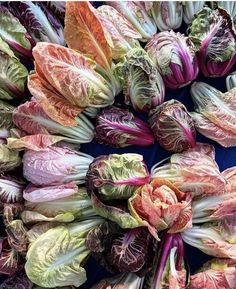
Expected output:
{"points": [[72, 74]]}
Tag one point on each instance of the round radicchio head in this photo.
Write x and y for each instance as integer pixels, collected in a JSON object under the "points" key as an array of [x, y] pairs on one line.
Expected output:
{"points": [[172, 126], [120, 128], [175, 58]]}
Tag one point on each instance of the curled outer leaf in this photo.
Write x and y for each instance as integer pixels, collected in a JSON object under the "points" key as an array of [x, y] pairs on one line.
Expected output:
{"points": [[143, 85], [120, 128], [17, 236], [162, 206], [213, 33], [84, 32], [9, 158], [172, 126]]}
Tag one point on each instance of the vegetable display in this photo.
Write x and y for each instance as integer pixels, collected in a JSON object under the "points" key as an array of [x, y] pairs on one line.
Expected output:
{"points": [[116, 171]]}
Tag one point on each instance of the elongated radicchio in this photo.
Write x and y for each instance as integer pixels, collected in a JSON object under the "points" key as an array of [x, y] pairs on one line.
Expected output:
{"points": [[231, 80], [120, 128], [194, 170], [172, 126], [190, 9], [55, 166], [174, 56], [168, 268], [121, 250], [214, 115], [213, 33], [143, 85]]}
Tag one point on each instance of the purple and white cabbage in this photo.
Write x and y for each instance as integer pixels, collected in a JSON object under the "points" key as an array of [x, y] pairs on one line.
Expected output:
{"points": [[168, 268], [55, 166], [41, 24], [190, 9], [172, 126], [58, 8], [213, 33], [11, 190], [136, 13], [143, 86], [229, 6], [120, 128], [231, 80], [174, 56], [167, 14]]}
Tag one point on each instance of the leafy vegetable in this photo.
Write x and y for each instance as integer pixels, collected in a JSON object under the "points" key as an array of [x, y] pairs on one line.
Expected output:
{"points": [[13, 74], [120, 128], [119, 32], [194, 170], [217, 240], [38, 20], [229, 6], [14, 33], [122, 281], [31, 118], [162, 206], [17, 236], [230, 177], [58, 8], [214, 114], [190, 9], [217, 273], [66, 209], [40, 228], [167, 14], [138, 16], [10, 260], [5, 119], [120, 250], [172, 126], [214, 208], [143, 85], [9, 158], [55, 166], [174, 56], [213, 34], [231, 80], [11, 212], [168, 268], [55, 258], [11, 190], [17, 281]]}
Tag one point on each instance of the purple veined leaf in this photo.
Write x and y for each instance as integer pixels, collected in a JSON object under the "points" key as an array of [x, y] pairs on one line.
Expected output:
{"points": [[55, 166], [39, 21], [174, 55], [17, 281], [11, 212], [11, 190], [17, 236], [229, 6], [14, 33], [120, 128], [167, 14], [172, 126], [10, 260], [143, 85], [58, 8], [213, 33]]}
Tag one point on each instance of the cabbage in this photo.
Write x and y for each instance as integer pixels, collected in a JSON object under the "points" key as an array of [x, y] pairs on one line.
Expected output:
{"points": [[31, 118], [56, 257], [13, 74], [17, 281], [213, 33], [143, 85], [194, 170], [172, 126], [120, 128], [167, 14], [11, 190], [55, 166], [38, 20], [174, 56], [14, 33], [190, 9], [215, 239], [120, 34], [9, 158], [5, 119], [231, 80], [121, 250], [168, 268], [214, 114], [61, 209], [138, 16], [217, 273]]}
